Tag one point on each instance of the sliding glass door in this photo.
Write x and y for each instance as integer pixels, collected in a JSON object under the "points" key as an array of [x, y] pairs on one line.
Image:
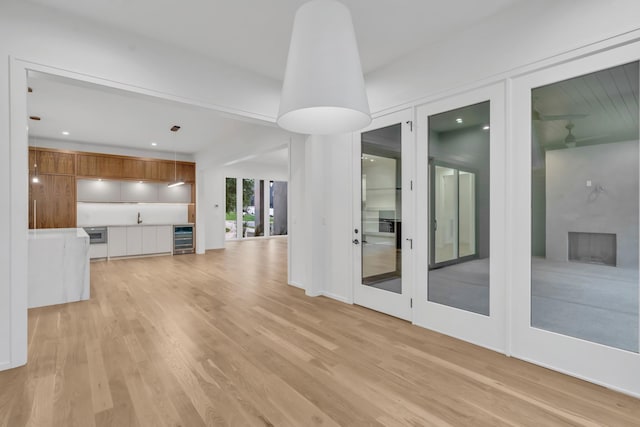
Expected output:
{"points": [[453, 213]]}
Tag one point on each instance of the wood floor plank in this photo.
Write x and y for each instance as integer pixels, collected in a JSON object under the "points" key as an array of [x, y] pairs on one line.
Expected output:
{"points": [[221, 339]]}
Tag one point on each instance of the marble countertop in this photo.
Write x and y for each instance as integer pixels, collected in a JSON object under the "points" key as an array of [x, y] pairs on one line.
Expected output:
{"points": [[56, 233], [135, 225]]}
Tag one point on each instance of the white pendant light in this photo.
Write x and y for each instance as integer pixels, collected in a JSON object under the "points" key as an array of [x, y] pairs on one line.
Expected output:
{"points": [[323, 90]]}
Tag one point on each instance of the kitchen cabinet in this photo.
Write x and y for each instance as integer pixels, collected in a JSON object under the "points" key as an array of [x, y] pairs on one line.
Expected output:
{"points": [[179, 194], [138, 192], [98, 250], [92, 190], [54, 198], [117, 241], [133, 168], [131, 240], [149, 239], [165, 238], [134, 240], [52, 162], [67, 177]]}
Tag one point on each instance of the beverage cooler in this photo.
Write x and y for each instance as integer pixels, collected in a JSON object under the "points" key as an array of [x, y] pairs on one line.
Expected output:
{"points": [[183, 239]]}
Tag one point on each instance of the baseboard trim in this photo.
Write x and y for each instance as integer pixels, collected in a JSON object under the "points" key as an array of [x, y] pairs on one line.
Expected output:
{"points": [[575, 375], [336, 297], [296, 284]]}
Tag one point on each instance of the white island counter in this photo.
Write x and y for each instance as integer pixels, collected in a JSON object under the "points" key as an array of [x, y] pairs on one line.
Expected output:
{"points": [[58, 266]]}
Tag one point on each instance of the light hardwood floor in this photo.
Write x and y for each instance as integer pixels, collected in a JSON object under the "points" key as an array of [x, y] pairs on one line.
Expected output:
{"points": [[221, 339]]}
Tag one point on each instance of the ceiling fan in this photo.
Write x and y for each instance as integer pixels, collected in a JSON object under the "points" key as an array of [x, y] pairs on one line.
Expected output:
{"points": [[571, 141]]}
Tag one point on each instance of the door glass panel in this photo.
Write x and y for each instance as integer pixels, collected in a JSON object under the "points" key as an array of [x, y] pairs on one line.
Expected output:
{"points": [[446, 211], [251, 212], [584, 207], [382, 209], [459, 150], [467, 211], [278, 208], [230, 209]]}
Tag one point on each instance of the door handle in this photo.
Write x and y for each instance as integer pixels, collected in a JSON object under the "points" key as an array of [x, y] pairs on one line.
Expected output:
{"points": [[435, 225], [356, 241], [410, 243]]}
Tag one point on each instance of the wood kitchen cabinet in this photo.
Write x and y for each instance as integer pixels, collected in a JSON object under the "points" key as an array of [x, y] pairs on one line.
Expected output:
{"points": [[55, 202], [133, 168], [55, 195], [52, 162]]}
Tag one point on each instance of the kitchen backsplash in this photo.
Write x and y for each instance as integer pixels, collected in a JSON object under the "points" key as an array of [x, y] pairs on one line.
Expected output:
{"points": [[95, 214]]}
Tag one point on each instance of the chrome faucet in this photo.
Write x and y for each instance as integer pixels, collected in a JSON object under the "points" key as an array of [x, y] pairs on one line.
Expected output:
{"points": [[139, 219]]}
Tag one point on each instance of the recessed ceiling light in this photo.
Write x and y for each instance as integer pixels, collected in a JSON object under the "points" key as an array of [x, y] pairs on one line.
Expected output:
{"points": [[486, 127], [65, 133], [154, 144], [459, 120]]}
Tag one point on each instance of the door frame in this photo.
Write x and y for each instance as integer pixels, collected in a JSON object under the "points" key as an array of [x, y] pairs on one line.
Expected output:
{"points": [[487, 331], [608, 366], [398, 305]]}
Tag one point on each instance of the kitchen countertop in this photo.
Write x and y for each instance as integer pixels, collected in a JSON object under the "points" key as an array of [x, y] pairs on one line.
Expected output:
{"points": [[56, 233], [134, 225]]}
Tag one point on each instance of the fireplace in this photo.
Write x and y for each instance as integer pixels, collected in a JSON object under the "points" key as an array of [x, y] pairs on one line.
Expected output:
{"points": [[593, 248]]}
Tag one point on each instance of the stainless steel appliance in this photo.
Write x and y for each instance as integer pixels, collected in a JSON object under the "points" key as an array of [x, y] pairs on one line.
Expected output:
{"points": [[96, 234], [183, 239]]}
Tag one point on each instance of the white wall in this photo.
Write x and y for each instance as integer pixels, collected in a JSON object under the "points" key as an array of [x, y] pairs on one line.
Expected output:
{"points": [[527, 33]]}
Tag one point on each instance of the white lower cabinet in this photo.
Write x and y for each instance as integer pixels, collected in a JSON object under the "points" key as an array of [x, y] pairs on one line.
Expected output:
{"points": [[150, 239], [134, 240], [165, 238], [99, 250], [140, 240], [117, 241]]}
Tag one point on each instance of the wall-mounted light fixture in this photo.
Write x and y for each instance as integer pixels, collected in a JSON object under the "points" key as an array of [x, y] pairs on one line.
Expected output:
{"points": [[323, 90]]}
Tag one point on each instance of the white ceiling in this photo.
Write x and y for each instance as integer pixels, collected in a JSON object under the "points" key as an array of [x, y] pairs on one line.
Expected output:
{"points": [[254, 34], [99, 115], [251, 34]]}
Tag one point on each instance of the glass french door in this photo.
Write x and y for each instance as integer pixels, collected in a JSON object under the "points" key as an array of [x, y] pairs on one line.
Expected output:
{"points": [[460, 203], [382, 217], [576, 218]]}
